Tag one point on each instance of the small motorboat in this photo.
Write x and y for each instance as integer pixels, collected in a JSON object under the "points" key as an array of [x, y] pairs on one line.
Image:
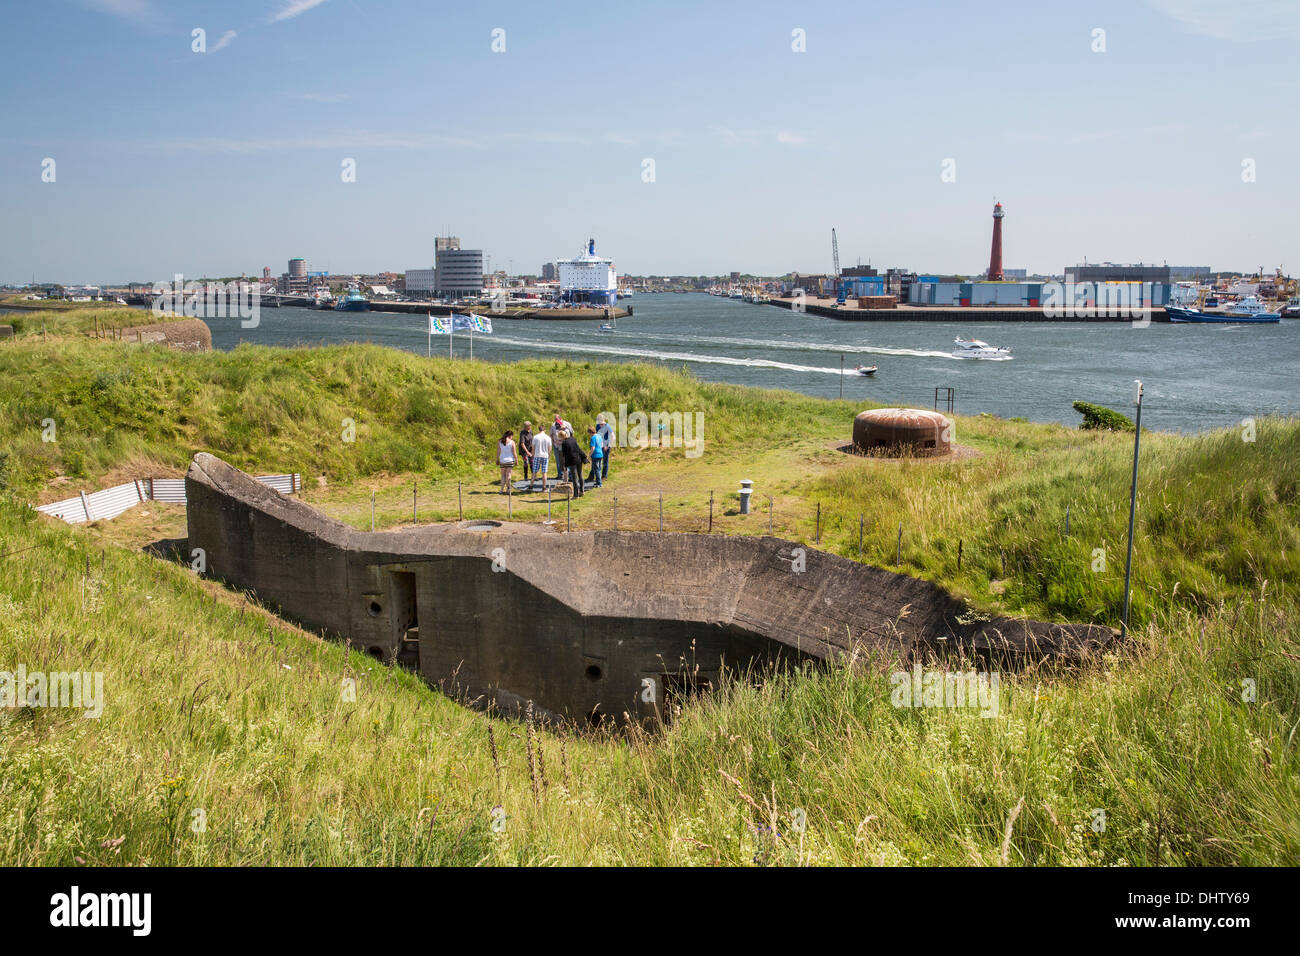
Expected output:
{"points": [[975, 349], [866, 370]]}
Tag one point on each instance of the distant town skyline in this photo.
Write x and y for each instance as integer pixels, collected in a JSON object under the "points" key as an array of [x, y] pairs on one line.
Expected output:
{"points": [[144, 139]]}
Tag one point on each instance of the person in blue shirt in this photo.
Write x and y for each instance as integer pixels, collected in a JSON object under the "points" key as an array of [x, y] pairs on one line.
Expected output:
{"points": [[606, 444], [597, 454]]}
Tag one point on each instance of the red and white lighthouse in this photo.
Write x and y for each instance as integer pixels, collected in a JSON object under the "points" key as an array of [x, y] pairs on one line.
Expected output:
{"points": [[995, 256]]}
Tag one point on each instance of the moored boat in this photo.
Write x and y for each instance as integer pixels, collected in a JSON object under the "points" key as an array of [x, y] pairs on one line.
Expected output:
{"points": [[354, 301], [1181, 316]]}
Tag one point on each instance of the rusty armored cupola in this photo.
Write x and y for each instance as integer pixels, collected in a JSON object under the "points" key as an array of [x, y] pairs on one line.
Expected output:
{"points": [[903, 431]]}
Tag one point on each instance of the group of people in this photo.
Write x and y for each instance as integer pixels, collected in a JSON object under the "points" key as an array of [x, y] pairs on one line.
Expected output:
{"points": [[534, 451]]}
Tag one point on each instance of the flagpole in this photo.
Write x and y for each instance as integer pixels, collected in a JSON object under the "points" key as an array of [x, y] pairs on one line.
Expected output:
{"points": [[471, 341]]}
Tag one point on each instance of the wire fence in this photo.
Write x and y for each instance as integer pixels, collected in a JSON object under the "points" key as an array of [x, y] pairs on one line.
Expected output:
{"points": [[897, 542]]}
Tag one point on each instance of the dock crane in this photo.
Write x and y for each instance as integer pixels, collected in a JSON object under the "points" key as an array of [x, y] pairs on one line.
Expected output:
{"points": [[840, 289]]}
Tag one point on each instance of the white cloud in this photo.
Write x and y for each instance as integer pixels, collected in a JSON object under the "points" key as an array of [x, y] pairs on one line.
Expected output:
{"points": [[226, 39], [790, 139], [1236, 20], [354, 139], [138, 11], [292, 8]]}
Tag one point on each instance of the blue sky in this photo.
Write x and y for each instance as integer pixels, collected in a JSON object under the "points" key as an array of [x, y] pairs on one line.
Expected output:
{"points": [[168, 160]]}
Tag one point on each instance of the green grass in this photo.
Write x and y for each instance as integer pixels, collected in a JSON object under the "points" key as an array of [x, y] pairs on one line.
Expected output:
{"points": [[218, 706]]}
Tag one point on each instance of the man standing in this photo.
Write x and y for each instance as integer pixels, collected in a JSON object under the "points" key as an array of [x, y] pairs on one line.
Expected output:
{"points": [[526, 450], [574, 458], [606, 443], [541, 455], [593, 437]]}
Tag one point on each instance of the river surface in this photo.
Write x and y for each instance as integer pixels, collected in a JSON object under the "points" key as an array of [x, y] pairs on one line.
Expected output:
{"points": [[1196, 376]]}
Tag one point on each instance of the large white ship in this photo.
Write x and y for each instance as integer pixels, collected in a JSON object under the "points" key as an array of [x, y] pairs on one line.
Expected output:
{"points": [[588, 279]]}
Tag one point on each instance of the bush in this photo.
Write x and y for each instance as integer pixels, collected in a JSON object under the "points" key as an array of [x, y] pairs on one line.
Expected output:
{"points": [[1103, 418]]}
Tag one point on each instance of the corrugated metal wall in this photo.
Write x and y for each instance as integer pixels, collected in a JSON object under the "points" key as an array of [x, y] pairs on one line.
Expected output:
{"points": [[111, 502]]}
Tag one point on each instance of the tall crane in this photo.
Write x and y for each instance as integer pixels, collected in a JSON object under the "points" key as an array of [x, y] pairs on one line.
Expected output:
{"points": [[835, 259]]}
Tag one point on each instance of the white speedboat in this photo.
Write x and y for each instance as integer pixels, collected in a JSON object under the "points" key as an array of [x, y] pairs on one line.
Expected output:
{"points": [[975, 349], [866, 370]]}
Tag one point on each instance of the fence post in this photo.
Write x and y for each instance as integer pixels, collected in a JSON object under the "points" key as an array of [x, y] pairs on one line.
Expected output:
{"points": [[510, 499], [817, 534], [860, 523], [661, 511], [710, 512], [959, 544], [898, 560], [415, 507]]}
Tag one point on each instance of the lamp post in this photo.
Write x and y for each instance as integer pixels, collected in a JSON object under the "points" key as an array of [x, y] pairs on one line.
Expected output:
{"points": [[1132, 501]]}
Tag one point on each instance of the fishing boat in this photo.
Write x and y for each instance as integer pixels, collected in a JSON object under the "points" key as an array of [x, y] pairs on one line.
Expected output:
{"points": [[975, 349], [1180, 316], [866, 369], [354, 301]]}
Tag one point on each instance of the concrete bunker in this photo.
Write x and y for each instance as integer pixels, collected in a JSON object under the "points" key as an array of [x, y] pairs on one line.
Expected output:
{"points": [[590, 626], [902, 431]]}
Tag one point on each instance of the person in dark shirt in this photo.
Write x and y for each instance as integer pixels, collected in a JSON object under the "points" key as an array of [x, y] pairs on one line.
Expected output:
{"points": [[526, 448], [574, 459]]}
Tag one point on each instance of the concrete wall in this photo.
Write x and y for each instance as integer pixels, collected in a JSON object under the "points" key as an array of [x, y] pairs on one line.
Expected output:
{"points": [[589, 625]]}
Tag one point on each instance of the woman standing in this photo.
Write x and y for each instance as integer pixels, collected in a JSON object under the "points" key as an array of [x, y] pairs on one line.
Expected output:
{"points": [[506, 458]]}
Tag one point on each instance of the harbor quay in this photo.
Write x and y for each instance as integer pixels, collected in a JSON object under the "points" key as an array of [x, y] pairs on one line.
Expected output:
{"points": [[850, 312]]}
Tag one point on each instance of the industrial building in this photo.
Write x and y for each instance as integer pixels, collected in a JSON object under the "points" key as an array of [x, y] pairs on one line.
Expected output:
{"points": [[296, 281], [1076, 296], [1112, 272], [588, 278], [421, 281], [458, 272]]}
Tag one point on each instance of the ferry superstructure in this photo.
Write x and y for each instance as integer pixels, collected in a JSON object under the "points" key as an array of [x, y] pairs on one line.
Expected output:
{"points": [[588, 278]]}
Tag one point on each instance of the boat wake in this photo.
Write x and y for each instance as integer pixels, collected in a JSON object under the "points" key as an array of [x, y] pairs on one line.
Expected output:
{"points": [[801, 346], [670, 356]]}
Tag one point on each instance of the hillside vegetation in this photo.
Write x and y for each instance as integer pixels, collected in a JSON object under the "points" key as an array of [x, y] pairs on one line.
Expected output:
{"points": [[227, 735]]}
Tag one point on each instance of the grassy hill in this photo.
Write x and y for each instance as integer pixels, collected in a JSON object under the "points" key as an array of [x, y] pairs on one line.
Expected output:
{"points": [[212, 704]]}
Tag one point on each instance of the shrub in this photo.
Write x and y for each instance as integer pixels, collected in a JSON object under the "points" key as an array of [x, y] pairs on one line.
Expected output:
{"points": [[1103, 418]]}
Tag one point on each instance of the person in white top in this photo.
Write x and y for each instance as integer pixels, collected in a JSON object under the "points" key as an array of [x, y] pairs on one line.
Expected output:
{"points": [[506, 456], [541, 456]]}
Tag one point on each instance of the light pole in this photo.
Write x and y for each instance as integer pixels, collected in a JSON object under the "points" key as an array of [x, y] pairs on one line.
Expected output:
{"points": [[1132, 501]]}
